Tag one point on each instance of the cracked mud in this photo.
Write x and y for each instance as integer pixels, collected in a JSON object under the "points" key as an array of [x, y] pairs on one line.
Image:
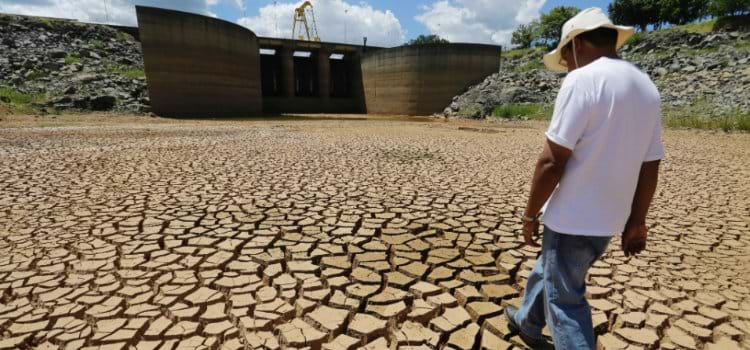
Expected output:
{"points": [[339, 234]]}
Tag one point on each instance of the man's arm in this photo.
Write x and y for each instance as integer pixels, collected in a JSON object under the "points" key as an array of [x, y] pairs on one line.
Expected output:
{"points": [[636, 232], [549, 170]]}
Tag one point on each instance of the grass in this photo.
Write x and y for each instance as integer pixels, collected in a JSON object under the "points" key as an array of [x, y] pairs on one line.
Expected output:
{"points": [[70, 59], [36, 74], [698, 27], [470, 112], [129, 72], [531, 111], [715, 24], [677, 118], [45, 21], [97, 44], [636, 38], [698, 52], [122, 36], [19, 101], [530, 65], [518, 53], [736, 121]]}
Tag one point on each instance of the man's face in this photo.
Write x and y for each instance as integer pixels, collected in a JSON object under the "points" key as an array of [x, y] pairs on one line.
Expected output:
{"points": [[566, 53]]}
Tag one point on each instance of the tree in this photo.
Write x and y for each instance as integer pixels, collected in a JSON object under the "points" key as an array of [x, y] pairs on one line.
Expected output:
{"points": [[720, 8], [637, 13], [682, 11], [550, 25], [525, 35], [428, 39]]}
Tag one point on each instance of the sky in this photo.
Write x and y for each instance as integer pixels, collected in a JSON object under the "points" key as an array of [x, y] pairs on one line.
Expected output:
{"points": [[383, 22]]}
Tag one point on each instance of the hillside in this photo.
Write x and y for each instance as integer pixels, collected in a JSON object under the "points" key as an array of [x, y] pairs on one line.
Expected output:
{"points": [[699, 72], [53, 66], [56, 65]]}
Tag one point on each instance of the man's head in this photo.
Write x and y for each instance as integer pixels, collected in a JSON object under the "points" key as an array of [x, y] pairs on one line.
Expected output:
{"points": [[586, 37], [589, 46]]}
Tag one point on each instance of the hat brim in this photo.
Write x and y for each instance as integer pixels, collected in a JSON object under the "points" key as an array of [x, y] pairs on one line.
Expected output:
{"points": [[553, 59]]}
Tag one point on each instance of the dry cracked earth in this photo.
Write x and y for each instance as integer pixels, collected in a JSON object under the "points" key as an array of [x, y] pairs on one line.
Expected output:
{"points": [[339, 234]]}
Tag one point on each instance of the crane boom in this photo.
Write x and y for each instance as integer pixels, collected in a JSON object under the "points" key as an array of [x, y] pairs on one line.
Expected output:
{"points": [[300, 18]]}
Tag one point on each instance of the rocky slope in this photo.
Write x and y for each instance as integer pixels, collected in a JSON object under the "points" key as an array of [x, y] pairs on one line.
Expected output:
{"points": [[696, 73], [66, 65]]}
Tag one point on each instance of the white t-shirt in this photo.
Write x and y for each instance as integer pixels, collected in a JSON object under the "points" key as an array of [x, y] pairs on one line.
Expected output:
{"points": [[608, 114]]}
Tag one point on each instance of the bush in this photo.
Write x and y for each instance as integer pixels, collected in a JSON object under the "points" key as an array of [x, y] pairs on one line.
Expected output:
{"points": [[531, 111], [20, 101]]}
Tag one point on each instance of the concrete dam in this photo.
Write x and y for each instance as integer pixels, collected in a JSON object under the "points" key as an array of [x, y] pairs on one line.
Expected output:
{"points": [[199, 66]]}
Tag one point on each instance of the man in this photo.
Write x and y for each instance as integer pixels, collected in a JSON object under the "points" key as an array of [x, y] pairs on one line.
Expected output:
{"points": [[597, 174]]}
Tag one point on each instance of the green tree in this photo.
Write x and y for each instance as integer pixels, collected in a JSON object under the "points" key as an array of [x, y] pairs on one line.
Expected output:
{"points": [[682, 11], [720, 8], [637, 13], [550, 25], [525, 35], [428, 39]]}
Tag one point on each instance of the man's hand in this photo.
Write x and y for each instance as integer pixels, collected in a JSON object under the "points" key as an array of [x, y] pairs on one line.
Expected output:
{"points": [[531, 230], [634, 239]]}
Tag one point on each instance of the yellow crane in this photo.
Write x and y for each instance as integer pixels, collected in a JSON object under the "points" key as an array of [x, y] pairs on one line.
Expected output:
{"points": [[310, 29]]}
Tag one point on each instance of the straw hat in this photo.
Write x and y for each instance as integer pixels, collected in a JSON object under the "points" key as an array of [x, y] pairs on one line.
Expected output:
{"points": [[588, 19]]}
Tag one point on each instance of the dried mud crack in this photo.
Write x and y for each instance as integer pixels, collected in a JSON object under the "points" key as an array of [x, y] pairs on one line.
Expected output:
{"points": [[339, 234]]}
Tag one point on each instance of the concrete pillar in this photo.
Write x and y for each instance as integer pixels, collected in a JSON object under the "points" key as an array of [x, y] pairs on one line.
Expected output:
{"points": [[288, 81], [355, 74], [324, 73]]}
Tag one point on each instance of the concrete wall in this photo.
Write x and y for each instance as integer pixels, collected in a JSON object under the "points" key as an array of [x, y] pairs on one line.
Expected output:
{"points": [[198, 66], [289, 71], [422, 79]]}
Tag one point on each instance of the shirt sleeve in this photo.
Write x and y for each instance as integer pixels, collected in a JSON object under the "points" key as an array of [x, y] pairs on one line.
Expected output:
{"points": [[571, 115], [655, 148]]}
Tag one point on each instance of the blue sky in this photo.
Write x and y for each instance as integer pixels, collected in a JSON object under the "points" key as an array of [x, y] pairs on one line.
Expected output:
{"points": [[405, 11], [384, 22]]}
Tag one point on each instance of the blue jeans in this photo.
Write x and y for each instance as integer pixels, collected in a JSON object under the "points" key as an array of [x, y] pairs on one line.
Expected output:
{"points": [[556, 290]]}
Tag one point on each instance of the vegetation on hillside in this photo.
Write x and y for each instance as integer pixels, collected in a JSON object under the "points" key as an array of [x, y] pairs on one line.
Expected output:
{"points": [[546, 30], [20, 102], [658, 13], [427, 39], [642, 14], [534, 111]]}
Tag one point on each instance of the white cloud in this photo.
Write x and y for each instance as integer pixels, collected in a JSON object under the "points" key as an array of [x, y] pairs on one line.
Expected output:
{"points": [[337, 21], [478, 21], [99, 11]]}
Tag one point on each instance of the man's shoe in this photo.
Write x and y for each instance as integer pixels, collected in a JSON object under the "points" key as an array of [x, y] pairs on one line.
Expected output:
{"points": [[531, 342]]}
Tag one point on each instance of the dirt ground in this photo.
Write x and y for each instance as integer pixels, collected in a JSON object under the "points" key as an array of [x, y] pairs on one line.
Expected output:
{"points": [[337, 232]]}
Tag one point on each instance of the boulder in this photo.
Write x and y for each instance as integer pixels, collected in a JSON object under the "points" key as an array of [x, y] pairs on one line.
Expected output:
{"points": [[57, 54], [103, 103]]}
